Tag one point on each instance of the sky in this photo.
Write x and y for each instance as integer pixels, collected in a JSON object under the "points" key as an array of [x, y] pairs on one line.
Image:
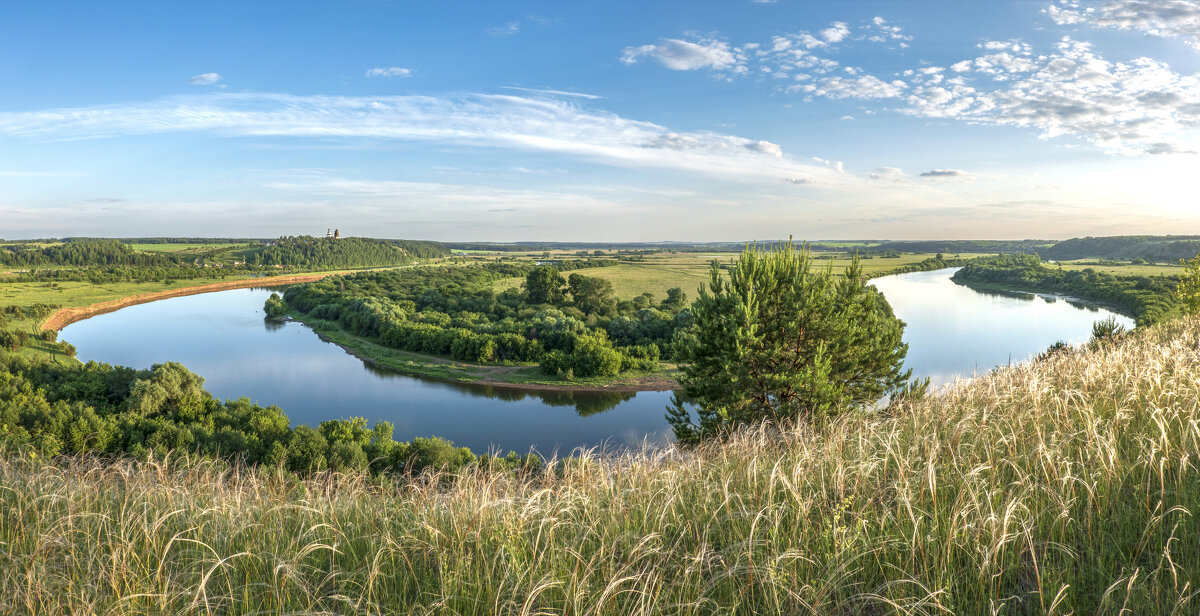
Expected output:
{"points": [[600, 121]]}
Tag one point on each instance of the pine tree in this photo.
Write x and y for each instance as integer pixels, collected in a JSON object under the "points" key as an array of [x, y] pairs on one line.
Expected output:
{"points": [[776, 341], [1188, 289]]}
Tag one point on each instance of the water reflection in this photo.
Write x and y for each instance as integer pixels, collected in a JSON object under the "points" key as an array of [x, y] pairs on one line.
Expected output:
{"points": [[956, 332], [952, 331]]}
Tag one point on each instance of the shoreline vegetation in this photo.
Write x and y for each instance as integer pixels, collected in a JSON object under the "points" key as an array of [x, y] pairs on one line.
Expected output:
{"points": [[1062, 486], [1146, 299]]}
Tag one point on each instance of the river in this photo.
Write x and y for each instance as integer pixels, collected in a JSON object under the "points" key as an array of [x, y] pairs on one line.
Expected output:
{"points": [[953, 332]]}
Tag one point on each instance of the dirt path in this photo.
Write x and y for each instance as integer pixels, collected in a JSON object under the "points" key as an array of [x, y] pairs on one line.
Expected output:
{"points": [[67, 316]]}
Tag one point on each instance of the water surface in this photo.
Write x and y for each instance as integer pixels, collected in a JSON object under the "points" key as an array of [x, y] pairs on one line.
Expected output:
{"points": [[955, 332], [952, 332]]}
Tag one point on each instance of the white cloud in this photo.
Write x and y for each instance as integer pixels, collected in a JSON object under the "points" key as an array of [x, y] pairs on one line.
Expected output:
{"points": [[835, 33], [391, 71], [1121, 107], [205, 79], [1164, 18], [864, 87], [505, 121], [682, 55]]}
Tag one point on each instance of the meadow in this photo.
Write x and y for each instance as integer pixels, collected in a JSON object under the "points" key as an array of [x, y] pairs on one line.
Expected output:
{"points": [[658, 272], [1066, 486]]}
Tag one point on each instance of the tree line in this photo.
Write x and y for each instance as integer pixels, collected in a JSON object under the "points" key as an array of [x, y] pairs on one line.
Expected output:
{"points": [[112, 410], [1148, 299]]}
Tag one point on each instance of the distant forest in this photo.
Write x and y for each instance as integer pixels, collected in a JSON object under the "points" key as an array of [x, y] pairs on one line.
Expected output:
{"points": [[327, 253], [1156, 248], [82, 253]]}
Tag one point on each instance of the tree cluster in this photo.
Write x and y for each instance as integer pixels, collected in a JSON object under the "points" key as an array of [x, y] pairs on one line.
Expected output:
{"points": [[101, 409], [1148, 299], [563, 323]]}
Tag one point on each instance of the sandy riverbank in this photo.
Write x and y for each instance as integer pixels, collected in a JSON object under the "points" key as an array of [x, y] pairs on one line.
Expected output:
{"points": [[66, 316]]}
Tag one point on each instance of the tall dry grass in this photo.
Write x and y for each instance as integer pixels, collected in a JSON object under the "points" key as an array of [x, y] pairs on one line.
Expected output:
{"points": [[1066, 487]]}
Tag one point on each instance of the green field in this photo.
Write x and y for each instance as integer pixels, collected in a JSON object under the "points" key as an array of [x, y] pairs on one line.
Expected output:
{"points": [[1122, 269], [688, 270]]}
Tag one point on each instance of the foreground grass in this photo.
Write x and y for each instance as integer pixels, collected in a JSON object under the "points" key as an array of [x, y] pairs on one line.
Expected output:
{"points": [[1068, 486]]}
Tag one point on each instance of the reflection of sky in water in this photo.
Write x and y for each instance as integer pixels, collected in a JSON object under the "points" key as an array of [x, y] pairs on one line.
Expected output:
{"points": [[223, 337], [955, 332]]}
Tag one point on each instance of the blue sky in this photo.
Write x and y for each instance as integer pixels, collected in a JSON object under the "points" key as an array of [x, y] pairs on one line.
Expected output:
{"points": [[609, 121]]}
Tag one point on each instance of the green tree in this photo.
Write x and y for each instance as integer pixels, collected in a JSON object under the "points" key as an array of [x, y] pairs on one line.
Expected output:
{"points": [[591, 294], [777, 341], [544, 285], [275, 307], [1188, 288]]}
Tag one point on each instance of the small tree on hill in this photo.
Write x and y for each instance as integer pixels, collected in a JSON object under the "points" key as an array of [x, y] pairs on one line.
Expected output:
{"points": [[1188, 289], [776, 341]]}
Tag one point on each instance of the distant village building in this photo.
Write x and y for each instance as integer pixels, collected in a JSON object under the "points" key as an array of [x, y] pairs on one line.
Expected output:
{"points": [[336, 234]]}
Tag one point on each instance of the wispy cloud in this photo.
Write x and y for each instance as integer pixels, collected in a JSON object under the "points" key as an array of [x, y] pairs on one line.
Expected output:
{"points": [[507, 29], [554, 92], [391, 71], [205, 79], [526, 123], [514, 27]]}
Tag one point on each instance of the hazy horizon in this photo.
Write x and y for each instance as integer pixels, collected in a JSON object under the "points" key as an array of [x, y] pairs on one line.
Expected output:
{"points": [[614, 122]]}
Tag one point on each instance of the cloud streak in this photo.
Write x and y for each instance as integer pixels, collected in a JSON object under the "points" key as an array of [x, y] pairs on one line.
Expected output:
{"points": [[491, 120], [391, 71]]}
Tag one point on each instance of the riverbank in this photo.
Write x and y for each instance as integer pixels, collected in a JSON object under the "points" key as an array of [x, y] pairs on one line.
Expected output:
{"points": [[1146, 299], [528, 377], [1064, 486], [67, 316], [1015, 291]]}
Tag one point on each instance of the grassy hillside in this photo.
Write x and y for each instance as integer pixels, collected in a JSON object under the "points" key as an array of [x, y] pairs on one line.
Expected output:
{"points": [[1066, 486]]}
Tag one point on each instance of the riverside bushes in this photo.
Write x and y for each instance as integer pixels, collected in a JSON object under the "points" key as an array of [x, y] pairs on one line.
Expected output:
{"points": [[1066, 486], [1148, 299], [48, 410]]}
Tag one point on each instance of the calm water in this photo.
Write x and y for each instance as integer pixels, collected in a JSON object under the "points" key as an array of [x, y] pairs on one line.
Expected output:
{"points": [[952, 331]]}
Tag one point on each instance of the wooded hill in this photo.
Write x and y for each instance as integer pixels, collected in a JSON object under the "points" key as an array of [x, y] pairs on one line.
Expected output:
{"points": [[1160, 248]]}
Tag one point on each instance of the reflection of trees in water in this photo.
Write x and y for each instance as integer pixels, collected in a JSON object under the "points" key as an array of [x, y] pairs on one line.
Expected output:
{"points": [[273, 325], [585, 403], [1021, 295]]}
